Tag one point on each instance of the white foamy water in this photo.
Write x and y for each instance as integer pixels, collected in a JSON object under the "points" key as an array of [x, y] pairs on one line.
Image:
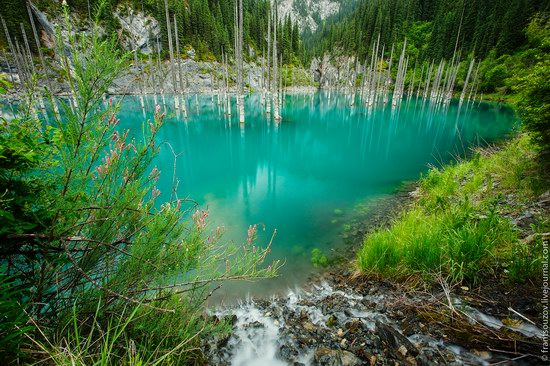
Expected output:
{"points": [[259, 335], [256, 338], [522, 327]]}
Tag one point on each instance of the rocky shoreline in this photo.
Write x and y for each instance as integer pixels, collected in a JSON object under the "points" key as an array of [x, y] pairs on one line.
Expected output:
{"points": [[345, 319]]}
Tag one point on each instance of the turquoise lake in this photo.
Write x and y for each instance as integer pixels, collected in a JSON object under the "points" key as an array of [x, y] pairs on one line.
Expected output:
{"points": [[306, 176]]}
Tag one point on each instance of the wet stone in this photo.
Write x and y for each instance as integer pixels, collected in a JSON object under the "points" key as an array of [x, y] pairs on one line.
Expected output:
{"points": [[397, 342], [287, 353], [328, 357], [310, 327], [255, 324]]}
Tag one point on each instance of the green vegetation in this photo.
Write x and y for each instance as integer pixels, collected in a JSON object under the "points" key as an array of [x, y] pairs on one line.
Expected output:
{"points": [[458, 225], [430, 26], [205, 24], [94, 267], [318, 258], [534, 85], [511, 39]]}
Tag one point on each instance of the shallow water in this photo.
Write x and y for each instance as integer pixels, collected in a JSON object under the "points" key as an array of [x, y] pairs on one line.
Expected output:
{"points": [[306, 176], [278, 332]]}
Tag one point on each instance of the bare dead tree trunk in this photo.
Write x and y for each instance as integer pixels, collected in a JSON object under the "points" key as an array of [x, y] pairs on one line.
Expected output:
{"points": [[32, 69], [227, 94], [159, 70], [27, 48], [17, 61], [276, 114], [171, 51], [240, 71], [153, 85], [268, 97], [180, 76]]}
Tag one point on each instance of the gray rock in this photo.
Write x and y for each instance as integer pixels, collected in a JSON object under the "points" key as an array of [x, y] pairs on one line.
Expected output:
{"points": [[140, 30], [328, 357], [396, 341], [307, 16]]}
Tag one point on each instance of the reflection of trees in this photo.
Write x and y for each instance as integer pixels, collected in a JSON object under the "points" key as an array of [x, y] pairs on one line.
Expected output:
{"points": [[324, 140]]}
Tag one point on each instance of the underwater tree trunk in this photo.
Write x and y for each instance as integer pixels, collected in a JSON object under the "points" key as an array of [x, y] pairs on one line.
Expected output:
{"points": [[276, 115], [180, 76], [268, 94], [171, 51], [240, 66]]}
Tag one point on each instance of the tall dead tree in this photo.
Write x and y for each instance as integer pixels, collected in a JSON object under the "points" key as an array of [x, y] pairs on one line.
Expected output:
{"points": [[239, 61], [275, 89], [180, 75], [268, 97], [171, 51]]}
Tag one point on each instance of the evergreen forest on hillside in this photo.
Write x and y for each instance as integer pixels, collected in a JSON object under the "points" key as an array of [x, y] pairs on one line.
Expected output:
{"points": [[206, 25], [108, 256]]}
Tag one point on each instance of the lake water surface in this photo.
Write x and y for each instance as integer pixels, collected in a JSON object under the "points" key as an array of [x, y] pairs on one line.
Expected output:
{"points": [[306, 175]]}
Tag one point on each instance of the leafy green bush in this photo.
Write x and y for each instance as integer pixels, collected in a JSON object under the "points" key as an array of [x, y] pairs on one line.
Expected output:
{"points": [[534, 104], [82, 224], [534, 88]]}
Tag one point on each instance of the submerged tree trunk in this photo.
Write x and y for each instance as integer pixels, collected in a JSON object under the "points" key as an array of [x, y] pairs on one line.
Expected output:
{"points": [[152, 77], [227, 94], [171, 52], [240, 62], [159, 70], [180, 76], [268, 95], [470, 68], [276, 114]]}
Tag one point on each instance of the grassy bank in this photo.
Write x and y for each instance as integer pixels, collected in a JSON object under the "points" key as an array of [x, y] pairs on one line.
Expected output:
{"points": [[466, 221]]}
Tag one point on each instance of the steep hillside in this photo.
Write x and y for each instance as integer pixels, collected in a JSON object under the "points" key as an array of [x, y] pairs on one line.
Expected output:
{"points": [[432, 27], [207, 26], [310, 14]]}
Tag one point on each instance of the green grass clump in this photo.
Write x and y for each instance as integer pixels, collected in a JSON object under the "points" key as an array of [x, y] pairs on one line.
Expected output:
{"points": [[454, 227], [137, 335]]}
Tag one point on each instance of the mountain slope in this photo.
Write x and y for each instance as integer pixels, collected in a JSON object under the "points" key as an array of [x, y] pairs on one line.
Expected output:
{"points": [[307, 13], [430, 26]]}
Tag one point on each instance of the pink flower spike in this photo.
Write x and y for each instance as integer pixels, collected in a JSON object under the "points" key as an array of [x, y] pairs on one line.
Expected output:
{"points": [[157, 108], [251, 234], [156, 192]]}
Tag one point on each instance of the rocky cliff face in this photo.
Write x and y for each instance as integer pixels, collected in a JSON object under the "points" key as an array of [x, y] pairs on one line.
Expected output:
{"points": [[137, 30], [309, 13], [140, 31]]}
